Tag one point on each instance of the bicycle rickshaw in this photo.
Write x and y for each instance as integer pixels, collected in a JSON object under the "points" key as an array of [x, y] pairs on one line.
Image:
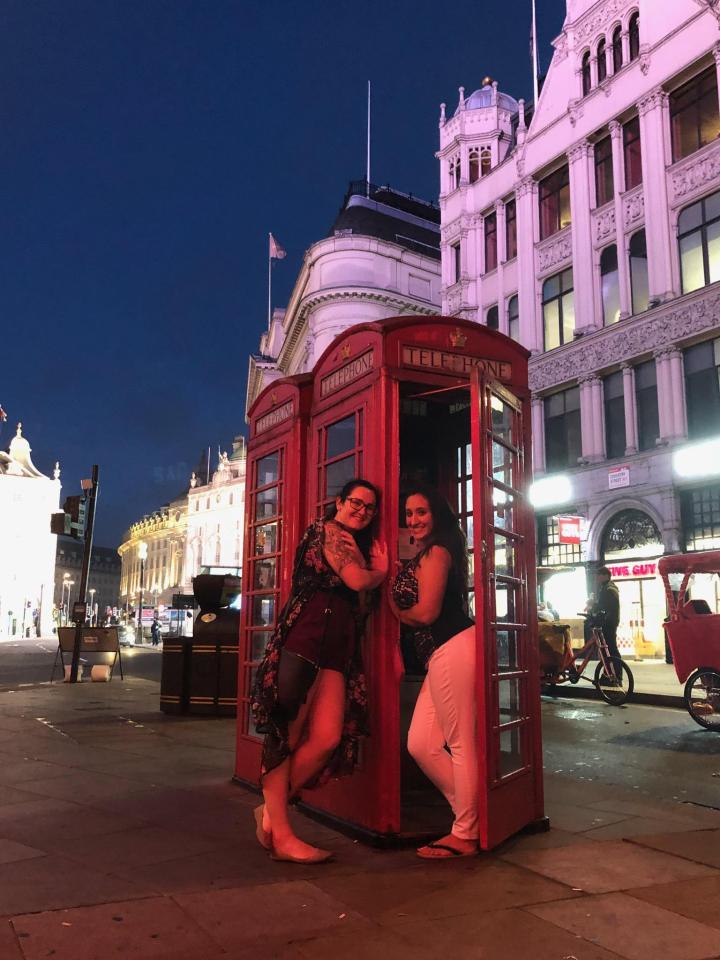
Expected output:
{"points": [[559, 663], [693, 633]]}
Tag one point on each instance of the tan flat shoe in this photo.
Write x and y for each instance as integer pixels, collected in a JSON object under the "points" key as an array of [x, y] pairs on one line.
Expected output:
{"points": [[320, 856]]}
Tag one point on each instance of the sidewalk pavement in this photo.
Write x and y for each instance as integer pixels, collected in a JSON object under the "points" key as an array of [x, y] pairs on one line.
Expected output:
{"points": [[656, 684], [122, 835]]}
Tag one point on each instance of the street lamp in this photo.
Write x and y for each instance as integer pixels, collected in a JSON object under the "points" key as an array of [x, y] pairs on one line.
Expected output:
{"points": [[142, 553], [70, 583], [63, 608], [92, 593]]}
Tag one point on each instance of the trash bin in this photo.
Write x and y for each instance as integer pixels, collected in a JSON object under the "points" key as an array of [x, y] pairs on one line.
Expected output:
{"points": [[173, 678]]}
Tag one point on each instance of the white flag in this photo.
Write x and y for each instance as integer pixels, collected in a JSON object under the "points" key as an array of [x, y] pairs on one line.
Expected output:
{"points": [[276, 251]]}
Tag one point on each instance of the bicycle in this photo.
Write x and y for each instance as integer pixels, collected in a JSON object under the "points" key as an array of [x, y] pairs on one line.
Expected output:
{"points": [[613, 678]]}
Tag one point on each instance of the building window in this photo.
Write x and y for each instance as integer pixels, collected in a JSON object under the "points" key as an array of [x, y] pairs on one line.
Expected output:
{"points": [[563, 447], [490, 242], [601, 60], [454, 170], [492, 318], [699, 239], [586, 75], [554, 202], [485, 161], [646, 403], [639, 272], [510, 230], [634, 36], [474, 165], [558, 309], [614, 395], [694, 117], [617, 53], [700, 511], [610, 285], [604, 187], [552, 553], [455, 257], [513, 309], [631, 153], [702, 388]]}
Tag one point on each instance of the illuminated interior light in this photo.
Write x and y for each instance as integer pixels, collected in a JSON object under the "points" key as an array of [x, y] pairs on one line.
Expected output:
{"points": [[551, 491], [698, 459]]}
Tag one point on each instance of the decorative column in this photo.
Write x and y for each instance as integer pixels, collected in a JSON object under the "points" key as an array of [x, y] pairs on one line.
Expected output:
{"points": [[537, 405], [716, 57], [625, 36], [593, 72], [664, 394], [631, 428], [677, 388], [528, 231], [582, 252], [622, 253], [653, 112], [592, 418]]}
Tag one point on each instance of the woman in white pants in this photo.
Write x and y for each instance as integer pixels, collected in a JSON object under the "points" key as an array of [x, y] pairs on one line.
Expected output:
{"points": [[429, 598]]}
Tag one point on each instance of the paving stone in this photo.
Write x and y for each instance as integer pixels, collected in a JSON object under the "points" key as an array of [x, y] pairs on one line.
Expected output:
{"points": [[47, 823], [661, 809], [576, 819], [11, 852], [500, 935], [140, 929], [632, 928], [696, 899], [702, 846], [615, 865], [637, 827], [284, 911], [130, 847], [14, 770], [383, 943], [49, 883], [554, 837], [88, 786], [9, 945]]}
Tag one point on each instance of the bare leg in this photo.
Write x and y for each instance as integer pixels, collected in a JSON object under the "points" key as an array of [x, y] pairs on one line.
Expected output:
{"points": [[316, 733]]}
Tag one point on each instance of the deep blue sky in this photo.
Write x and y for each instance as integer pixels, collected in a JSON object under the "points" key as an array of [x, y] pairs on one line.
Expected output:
{"points": [[146, 148]]}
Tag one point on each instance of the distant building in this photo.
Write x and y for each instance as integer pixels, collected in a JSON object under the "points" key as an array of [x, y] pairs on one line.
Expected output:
{"points": [[215, 516], [589, 232], [380, 259], [27, 548], [103, 581]]}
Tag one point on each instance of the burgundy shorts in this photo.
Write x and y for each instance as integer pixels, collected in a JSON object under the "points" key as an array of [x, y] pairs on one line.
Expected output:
{"points": [[324, 633]]}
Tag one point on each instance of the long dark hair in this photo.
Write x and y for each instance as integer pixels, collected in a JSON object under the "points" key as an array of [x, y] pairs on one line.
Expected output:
{"points": [[446, 532], [364, 537]]}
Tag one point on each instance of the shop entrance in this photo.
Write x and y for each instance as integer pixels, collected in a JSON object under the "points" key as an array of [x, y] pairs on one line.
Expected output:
{"points": [[400, 401]]}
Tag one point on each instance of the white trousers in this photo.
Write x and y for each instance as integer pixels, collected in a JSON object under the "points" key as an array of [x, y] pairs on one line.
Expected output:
{"points": [[445, 715]]}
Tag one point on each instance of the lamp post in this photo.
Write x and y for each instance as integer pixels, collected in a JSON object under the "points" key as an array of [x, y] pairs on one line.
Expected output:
{"points": [[92, 591], [63, 608], [142, 553], [70, 583]]}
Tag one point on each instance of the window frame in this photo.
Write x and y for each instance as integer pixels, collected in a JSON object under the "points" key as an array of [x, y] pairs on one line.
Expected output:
{"points": [[617, 50], [492, 317], [683, 104], [569, 417], [551, 190], [632, 153], [607, 273], [601, 55], [604, 177], [510, 230], [646, 396], [585, 73], [634, 36], [614, 425], [490, 244], [702, 230], [702, 391], [514, 319], [563, 291], [633, 281]]}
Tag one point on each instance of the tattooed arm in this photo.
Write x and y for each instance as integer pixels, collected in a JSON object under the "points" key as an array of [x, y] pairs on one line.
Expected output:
{"points": [[343, 555]]}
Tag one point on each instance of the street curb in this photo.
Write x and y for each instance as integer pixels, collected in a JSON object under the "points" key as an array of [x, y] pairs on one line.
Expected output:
{"points": [[646, 699]]}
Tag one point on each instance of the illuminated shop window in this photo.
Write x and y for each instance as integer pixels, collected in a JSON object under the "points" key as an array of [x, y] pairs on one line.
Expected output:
{"points": [[701, 517], [550, 551]]}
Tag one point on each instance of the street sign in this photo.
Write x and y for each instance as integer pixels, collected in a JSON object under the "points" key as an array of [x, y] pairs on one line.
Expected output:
{"points": [[618, 477], [571, 530], [79, 611]]}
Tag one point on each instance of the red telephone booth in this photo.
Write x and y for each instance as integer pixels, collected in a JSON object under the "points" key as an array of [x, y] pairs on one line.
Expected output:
{"points": [[445, 402]]}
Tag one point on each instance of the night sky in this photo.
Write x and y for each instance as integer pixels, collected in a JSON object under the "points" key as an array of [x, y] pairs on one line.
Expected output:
{"points": [[146, 149]]}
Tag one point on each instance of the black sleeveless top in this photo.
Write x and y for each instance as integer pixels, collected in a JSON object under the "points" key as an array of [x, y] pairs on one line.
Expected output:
{"points": [[453, 618]]}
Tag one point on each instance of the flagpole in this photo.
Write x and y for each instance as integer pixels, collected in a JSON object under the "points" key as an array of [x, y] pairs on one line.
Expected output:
{"points": [[535, 57], [269, 283], [367, 166]]}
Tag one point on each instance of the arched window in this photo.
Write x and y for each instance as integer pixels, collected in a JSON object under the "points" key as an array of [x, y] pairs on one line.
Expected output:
{"points": [[474, 164], [485, 161], [513, 309], [492, 318], [454, 170], [617, 53], [601, 61], [610, 284], [634, 36], [630, 533], [699, 240], [586, 77], [639, 272]]}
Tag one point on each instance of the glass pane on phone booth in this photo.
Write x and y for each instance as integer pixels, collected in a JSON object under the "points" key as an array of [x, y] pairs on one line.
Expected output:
{"points": [[501, 585], [340, 448]]}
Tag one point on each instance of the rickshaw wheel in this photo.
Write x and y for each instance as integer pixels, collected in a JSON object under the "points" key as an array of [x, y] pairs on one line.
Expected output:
{"points": [[614, 692], [702, 698]]}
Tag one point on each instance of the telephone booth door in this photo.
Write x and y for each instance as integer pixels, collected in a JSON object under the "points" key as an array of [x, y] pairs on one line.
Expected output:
{"points": [[508, 694], [274, 501]]}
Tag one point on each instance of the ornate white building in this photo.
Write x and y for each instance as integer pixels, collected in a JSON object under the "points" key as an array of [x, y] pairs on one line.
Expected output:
{"points": [[27, 548], [215, 517], [589, 229], [160, 538], [381, 259]]}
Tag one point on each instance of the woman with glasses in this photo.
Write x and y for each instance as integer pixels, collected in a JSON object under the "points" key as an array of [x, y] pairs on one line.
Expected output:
{"points": [[429, 596], [309, 696]]}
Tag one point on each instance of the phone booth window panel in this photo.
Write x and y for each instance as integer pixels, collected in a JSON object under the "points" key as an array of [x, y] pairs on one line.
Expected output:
{"points": [[265, 535], [341, 457]]}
